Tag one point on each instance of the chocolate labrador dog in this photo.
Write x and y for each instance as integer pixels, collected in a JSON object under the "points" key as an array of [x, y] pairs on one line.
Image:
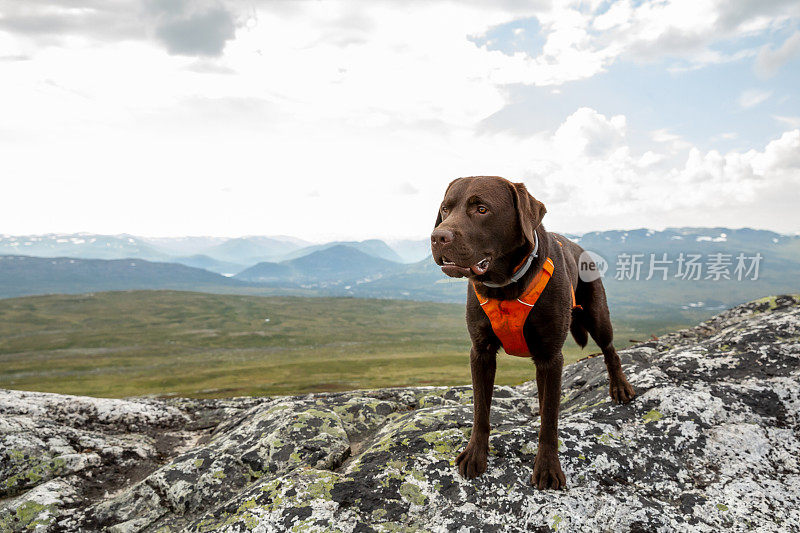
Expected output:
{"points": [[490, 230]]}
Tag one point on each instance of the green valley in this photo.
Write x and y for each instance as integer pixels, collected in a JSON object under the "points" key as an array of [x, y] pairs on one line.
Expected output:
{"points": [[117, 344]]}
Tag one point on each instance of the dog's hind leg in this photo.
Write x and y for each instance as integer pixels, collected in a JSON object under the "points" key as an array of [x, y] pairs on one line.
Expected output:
{"points": [[596, 319]]}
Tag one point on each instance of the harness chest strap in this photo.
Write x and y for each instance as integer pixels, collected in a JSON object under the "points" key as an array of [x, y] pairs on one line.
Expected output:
{"points": [[508, 316]]}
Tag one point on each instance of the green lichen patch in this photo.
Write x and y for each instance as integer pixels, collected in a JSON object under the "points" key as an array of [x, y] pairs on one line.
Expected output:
{"points": [[362, 415], [444, 443], [28, 515], [301, 489], [412, 494], [30, 471], [652, 415], [529, 448], [606, 438], [319, 483], [770, 301]]}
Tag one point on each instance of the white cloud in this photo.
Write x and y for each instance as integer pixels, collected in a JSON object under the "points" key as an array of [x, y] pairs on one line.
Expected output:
{"points": [[587, 133], [650, 158], [687, 28], [407, 189], [753, 97], [770, 60], [584, 39], [314, 108], [624, 189], [792, 122], [663, 135], [781, 156], [725, 136]]}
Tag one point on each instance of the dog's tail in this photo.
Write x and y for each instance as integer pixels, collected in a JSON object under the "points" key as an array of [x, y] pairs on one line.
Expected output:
{"points": [[576, 327]]}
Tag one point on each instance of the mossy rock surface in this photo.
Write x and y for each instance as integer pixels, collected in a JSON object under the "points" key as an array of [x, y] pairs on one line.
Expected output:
{"points": [[712, 442]]}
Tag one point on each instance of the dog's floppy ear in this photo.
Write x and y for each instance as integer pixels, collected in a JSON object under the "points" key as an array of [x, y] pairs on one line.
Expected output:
{"points": [[530, 211], [439, 211]]}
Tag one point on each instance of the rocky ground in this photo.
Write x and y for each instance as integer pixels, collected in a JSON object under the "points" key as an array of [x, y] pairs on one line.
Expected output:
{"points": [[711, 443]]}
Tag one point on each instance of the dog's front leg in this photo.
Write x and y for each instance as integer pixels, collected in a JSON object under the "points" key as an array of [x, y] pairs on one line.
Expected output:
{"points": [[472, 461], [547, 473]]}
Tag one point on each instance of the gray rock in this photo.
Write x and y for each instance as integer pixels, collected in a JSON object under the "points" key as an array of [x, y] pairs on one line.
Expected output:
{"points": [[711, 443]]}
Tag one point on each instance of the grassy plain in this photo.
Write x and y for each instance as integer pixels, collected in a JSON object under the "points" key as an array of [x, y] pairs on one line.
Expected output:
{"points": [[117, 344]]}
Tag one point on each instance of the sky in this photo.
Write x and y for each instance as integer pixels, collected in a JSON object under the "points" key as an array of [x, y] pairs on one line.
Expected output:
{"points": [[329, 120]]}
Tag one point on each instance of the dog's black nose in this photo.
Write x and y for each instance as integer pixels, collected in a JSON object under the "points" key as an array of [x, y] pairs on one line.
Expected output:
{"points": [[441, 237]]}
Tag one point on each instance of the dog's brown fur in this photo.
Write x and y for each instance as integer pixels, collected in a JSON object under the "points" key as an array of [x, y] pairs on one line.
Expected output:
{"points": [[464, 235]]}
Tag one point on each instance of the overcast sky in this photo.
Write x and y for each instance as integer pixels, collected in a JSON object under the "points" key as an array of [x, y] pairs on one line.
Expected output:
{"points": [[347, 120]]}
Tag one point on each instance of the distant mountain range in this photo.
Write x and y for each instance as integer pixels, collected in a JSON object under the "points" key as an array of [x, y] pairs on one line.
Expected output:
{"points": [[227, 256], [411, 250], [340, 265], [373, 247], [209, 263], [82, 245], [372, 269], [685, 240], [250, 250], [23, 275]]}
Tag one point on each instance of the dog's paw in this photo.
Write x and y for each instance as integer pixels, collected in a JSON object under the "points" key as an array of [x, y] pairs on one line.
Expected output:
{"points": [[547, 473], [472, 461], [621, 391]]}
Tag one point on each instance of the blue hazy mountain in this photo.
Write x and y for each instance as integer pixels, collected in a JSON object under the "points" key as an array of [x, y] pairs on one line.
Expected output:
{"points": [[373, 247], [209, 263], [348, 270], [251, 250], [337, 265], [24, 275], [217, 254], [83, 245], [412, 250]]}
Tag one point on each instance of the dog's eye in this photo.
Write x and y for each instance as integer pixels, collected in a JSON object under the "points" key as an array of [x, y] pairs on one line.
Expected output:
{"points": [[482, 209], [444, 209]]}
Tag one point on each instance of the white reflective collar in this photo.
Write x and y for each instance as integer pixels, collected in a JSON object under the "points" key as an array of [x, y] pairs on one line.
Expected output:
{"points": [[521, 272]]}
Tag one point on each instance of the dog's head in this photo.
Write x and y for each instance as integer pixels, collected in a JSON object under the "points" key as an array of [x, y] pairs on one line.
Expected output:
{"points": [[481, 222]]}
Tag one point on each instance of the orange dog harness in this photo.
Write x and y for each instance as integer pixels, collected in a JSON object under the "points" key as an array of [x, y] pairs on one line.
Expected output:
{"points": [[508, 316]]}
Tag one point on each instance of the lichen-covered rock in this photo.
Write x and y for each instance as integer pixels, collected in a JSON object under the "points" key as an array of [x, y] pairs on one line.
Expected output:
{"points": [[711, 443], [38, 508]]}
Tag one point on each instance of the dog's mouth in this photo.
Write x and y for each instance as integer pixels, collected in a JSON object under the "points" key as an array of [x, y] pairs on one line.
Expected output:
{"points": [[456, 271]]}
